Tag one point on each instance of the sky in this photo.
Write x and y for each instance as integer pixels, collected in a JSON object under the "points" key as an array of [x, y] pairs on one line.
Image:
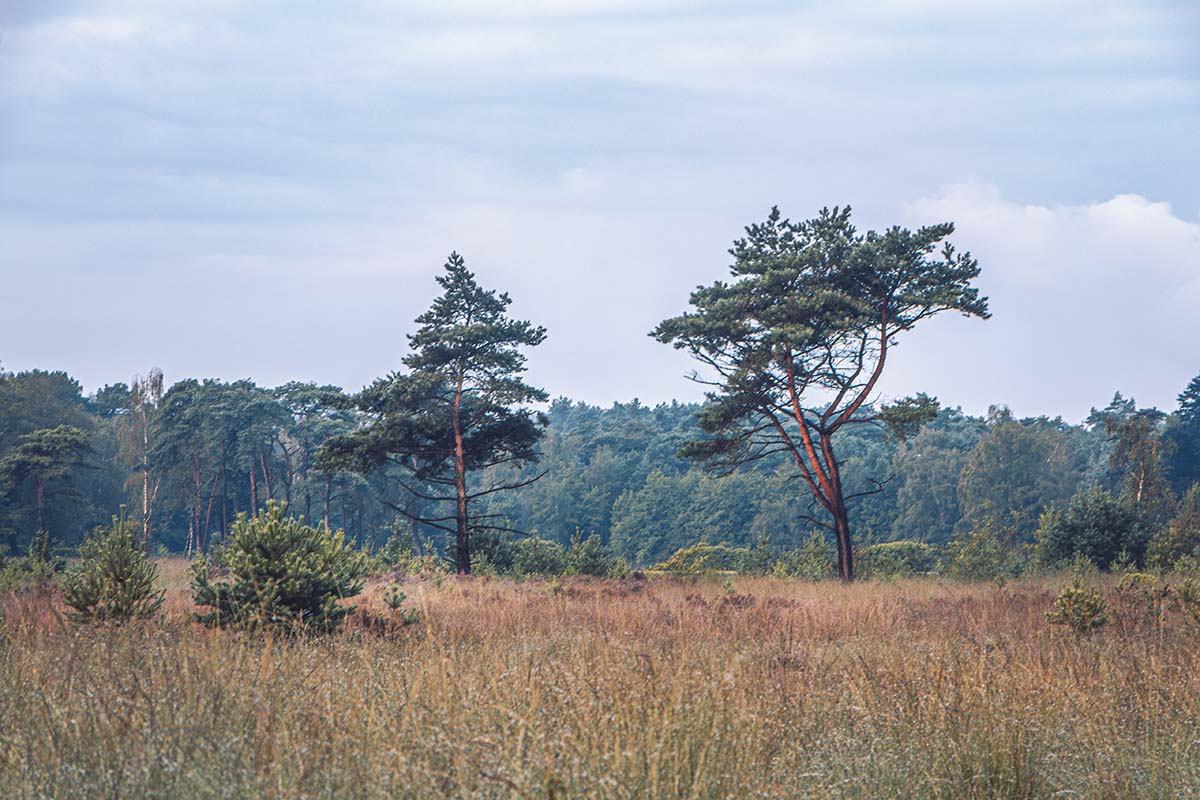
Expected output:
{"points": [[267, 190]]}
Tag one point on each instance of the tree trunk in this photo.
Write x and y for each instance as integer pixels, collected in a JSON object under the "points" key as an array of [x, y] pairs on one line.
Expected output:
{"points": [[41, 491], [462, 541], [262, 459], [326, 502], [196, 507], [844, 543], [253, 493]]}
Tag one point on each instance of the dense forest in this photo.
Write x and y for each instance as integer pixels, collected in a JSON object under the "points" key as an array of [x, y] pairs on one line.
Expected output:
{"points": [[197, 453]]}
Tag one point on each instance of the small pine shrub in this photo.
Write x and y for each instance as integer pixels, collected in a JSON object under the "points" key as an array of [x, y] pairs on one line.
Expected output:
{"points": [[985, 552], [114, 581], [1080, 608], [394, 600], [395, 555], [534, 556], [812, 561], [898, 559], [591, 556], [281, 573], [36, 568]]}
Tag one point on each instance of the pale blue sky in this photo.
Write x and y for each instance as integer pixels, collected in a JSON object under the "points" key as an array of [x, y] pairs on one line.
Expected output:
{"points": [[266, 190]]}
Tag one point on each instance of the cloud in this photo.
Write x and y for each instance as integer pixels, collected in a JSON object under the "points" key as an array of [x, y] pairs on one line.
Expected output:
{"points": [[1087, 300], [272, 186]]}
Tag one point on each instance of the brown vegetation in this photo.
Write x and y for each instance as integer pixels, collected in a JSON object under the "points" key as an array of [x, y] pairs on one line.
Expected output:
{"points": [[635, 688]]}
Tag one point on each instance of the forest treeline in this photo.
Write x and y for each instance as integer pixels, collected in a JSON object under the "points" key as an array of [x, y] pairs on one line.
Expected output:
{"points": [[197, 453]]}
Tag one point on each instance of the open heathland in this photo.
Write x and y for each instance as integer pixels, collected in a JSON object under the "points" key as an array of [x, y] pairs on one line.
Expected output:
{"points": [[662, 687]]}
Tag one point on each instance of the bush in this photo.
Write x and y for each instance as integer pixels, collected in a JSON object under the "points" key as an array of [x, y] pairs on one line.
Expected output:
{"points": [[812, 561], [591, 557], [534, 556], [114, 581], [703, 557], [1080, 608], [35, 568], [1096, 525], [897, 559], [1181, 539], [282, 573], [986, 552]]}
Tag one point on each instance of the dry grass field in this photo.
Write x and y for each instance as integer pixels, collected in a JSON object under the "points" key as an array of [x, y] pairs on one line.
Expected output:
{"points": [[660, 688]]}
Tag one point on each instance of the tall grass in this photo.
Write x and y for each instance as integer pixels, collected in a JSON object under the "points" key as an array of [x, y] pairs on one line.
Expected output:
{"points": [[658, 689]]}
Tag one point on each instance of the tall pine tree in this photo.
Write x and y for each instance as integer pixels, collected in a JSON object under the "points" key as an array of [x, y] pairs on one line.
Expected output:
{"points": [[461, 409]]}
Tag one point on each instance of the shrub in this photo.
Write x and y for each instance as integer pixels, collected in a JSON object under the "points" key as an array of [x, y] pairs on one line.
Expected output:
{"points": [[1080, 608], [1097, 525], [1181, 538], [114, 581], [897, 559], [986, 552], [812, 561], [591, 557], [35, 568], [534, 556], [282, 573], [703, 557]]}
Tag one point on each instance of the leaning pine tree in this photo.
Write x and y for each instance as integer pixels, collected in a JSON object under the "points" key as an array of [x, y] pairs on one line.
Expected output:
{"points": [[462, 408], [795, 344]]}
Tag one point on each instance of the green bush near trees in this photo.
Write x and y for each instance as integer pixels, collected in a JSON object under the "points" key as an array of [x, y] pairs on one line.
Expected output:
{"points": [[812, 561], [534, 556], [1097, 525], [279, 572], [114, 581], [1181, 538], [704, 557], [592, 557], [985, 552], [898, 559]]}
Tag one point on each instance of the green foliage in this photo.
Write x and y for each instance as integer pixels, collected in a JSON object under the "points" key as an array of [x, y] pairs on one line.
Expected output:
{"points": [[461, 409], [703, 557], [904, 418], [1187, 594], [590, 556], [898, 559], [114, 581], [809, 313], [985, 552], [1096, 525], [35, 568], [1017, 469], [812, 561], [394, 600], [1079, 607], [533, 556], [282, 573], [1181, 537]]}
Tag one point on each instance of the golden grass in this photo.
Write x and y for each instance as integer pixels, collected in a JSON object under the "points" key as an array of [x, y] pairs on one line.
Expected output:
{"points": [[629, 689]]}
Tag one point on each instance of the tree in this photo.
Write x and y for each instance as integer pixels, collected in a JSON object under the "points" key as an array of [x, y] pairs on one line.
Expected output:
{"points": [[1139, 451], [1184, 435], [1017, 469], [460, 411], [1096, 524], [795, 345], [144, 397], [282, 573], [114, 580], [43, 457]]}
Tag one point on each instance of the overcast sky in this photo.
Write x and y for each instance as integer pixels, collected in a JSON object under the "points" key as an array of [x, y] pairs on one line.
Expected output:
{"points": [[267, 189]]}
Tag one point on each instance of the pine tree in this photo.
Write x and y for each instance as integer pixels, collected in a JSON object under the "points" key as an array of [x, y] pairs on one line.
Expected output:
{"points": [[462, 408]]}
